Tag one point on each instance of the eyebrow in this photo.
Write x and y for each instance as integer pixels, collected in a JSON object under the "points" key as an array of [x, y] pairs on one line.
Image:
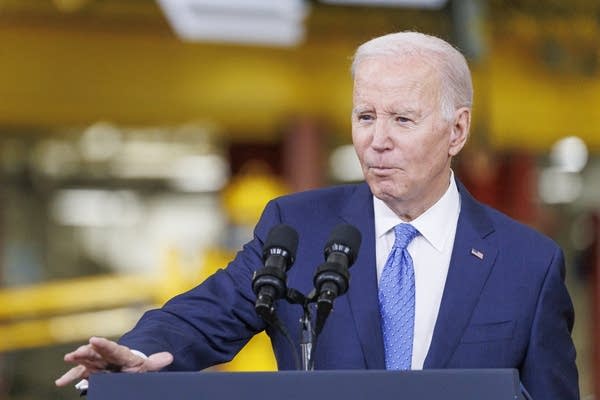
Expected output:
{"points": [[408, 111], [405, 111], [360, 109]]}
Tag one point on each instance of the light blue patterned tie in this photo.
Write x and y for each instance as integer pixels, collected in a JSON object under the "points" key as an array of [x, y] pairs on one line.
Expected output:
{"points": [[397, 301]]}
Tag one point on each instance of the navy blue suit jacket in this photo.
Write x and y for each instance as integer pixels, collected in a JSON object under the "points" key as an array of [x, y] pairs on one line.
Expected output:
{"points": [[508, 310]]}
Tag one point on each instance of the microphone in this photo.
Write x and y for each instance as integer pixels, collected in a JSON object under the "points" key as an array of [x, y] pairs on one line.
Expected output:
{"points": [[269, 282], [331, 278]]}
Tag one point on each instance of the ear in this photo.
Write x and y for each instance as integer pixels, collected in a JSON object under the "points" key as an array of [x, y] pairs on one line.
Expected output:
{"points": [[460, 130]]}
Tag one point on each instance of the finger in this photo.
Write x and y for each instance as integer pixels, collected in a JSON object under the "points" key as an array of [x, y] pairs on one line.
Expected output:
{"points": [[83, 352], [157, 361], [95, 365], [90, 355], [71, 375], [116, 354], [87, 356]]}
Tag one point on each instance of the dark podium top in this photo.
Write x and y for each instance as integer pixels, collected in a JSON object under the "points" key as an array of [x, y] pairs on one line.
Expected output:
{"points": [[475, 384]]}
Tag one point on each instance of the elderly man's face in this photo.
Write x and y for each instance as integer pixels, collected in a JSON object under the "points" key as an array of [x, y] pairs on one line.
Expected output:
{"points": [[402, 140]]}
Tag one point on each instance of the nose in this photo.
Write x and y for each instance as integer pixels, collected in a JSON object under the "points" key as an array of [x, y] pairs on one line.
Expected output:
{"points": [[381, 139]]}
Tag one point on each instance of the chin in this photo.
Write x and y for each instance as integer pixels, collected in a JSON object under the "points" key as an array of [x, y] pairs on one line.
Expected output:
{"points": [[384, 185], [384, 192], [388, 197]]}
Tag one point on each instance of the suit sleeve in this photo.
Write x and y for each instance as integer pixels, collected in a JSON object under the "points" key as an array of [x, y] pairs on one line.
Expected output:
{"points": [[548, 371], [210, 323]]}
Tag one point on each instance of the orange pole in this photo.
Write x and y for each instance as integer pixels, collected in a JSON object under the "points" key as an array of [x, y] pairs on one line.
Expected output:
{"points": [[303, 154]]}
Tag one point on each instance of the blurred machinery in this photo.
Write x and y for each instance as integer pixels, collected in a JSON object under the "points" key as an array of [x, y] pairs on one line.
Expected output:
{"points": [[72, 310]]}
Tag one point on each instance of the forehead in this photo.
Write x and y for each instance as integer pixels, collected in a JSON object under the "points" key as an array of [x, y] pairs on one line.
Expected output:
{"points": [[384, 76]]}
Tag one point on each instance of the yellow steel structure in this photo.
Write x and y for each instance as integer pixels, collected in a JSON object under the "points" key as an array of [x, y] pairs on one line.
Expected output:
{"points": [[74, 328], [69, 74], [76, 295], [71, 311]]}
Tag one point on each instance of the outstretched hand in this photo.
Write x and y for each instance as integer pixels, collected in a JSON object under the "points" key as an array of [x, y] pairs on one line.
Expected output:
{"points": [[105, 355]]}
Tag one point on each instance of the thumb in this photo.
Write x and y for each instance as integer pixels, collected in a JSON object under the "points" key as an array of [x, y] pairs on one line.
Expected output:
{"points": [[158, 361]]}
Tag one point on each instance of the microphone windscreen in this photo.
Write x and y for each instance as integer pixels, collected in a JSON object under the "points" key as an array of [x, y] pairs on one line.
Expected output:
{"points": [[282, 236], [346, 235]]}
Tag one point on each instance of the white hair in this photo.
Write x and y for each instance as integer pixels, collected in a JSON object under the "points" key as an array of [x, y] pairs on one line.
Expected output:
{"points": [[457, 88]]}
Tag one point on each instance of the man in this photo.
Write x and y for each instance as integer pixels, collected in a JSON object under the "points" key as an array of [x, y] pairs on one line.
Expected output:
{"points": [[478, 289]]}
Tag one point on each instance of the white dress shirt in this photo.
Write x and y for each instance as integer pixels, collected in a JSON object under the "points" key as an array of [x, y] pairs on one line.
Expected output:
{"points": [[430, 251]]}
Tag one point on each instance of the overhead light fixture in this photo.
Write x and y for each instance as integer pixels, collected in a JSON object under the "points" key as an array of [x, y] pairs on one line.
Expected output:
{"points": [[569, 154], [430, 4], [96, 207], [199, 173], [556, 186], [266, 22], [344, 165]]}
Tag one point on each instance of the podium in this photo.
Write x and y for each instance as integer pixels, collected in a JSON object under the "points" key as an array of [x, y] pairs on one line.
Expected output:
{"points": [[449, 384]]}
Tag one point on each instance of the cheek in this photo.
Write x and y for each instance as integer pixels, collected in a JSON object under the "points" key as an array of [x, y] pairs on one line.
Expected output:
{"points": [[436, 143], [357, 132], [360, 143], [416, 152], [422, 156]]}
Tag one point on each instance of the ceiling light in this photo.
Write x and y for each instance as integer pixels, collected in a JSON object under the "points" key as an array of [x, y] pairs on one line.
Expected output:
{"points": [[200, 173], [569, 154], [273, 22], [344, 165], [100, 141], [95, 207], [556, 186]]}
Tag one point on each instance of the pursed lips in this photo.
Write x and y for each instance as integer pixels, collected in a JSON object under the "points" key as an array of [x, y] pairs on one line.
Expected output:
{"points": [[381, 170]]}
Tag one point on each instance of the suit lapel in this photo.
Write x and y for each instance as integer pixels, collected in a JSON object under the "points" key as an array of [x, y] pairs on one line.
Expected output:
{"points": [[362, 294], [470, 265]]}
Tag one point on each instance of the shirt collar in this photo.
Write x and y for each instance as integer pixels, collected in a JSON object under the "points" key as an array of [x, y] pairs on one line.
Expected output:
{"points": [[434, 224]]}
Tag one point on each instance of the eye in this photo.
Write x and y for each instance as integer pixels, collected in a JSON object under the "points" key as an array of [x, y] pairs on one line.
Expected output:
{"points": [[403, 120], [365, 117]]}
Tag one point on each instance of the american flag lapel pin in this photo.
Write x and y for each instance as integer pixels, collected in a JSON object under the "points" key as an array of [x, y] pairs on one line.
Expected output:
{"points": [[477, 253]]}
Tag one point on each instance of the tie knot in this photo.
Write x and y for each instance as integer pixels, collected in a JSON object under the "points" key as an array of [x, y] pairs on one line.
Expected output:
{"points": [[405, 233]]}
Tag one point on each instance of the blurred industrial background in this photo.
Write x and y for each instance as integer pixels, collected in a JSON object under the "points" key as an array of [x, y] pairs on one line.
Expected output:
{"points": [[140, 139]]}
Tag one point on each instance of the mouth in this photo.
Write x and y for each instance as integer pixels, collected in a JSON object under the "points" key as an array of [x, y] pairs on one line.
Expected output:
{"points": [[381, 170]]}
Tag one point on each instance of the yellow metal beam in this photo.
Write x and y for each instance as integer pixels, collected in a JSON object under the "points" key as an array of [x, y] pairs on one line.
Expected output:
{"points": [[529, 107], [27, 323], [76, 295], [77, 328], [51, 77], [66, 329]]}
